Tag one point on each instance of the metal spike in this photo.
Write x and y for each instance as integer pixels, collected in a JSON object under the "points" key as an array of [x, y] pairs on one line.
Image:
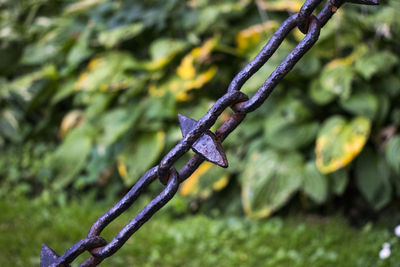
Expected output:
{"points": [[47, 256], [208, 145], [364, 2], [186, 124]]}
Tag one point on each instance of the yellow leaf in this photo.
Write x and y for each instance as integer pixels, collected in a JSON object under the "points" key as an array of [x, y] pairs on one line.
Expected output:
{"points": [[107, 72], [204, 51], [190, 185], [180, 87], [82, 82], [201, 79], [71, 120], [281, 5], [122, 170], [187, 78], [347, 61], [251, 36], [154, 91], [158, 63], [186, 69], [203, 182], [95, 63], [221, 183], [339, 142]]}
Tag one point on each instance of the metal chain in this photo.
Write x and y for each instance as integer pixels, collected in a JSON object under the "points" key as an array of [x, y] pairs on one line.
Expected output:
{"points": [[198, 137]]}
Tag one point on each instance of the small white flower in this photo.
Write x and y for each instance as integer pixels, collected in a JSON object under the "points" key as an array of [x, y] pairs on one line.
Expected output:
{"points": [[397, 230], [386, 245], [384, 253]]}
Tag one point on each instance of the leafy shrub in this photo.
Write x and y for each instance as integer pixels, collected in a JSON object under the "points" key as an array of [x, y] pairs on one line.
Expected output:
{"points": [[91, 90]]}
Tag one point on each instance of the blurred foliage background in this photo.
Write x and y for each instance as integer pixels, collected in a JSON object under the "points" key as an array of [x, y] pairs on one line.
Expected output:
{"points": [[90, 92]]}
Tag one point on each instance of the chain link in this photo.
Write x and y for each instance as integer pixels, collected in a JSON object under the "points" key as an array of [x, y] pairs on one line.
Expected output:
{"points": [[310, 25]]}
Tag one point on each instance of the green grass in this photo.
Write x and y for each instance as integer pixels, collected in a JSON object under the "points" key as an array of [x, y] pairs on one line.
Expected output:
{"points": [[194, 240]]}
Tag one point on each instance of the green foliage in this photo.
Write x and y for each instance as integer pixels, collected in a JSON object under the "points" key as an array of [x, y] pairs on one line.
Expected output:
{"points": [[392, 153], [338, 181], [269, 180], [70, 158], [369, 64], [139, 156], [289, 126], [334, 81], [221, 241], [372, 178], [315, 184], [90, 92]]}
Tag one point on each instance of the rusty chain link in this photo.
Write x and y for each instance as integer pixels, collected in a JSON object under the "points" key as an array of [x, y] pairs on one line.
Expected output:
{"points": [[196, 135]]}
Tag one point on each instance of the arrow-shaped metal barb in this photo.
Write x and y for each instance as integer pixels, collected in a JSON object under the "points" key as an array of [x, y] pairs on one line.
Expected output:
{"points": [[47, 257], [207, 145], [364, 2]]}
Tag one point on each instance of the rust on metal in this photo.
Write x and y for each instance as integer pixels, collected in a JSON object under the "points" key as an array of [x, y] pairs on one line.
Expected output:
{"points": [[207, 146]]}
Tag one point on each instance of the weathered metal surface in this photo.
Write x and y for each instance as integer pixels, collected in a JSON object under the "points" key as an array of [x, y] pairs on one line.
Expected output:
{"points": [[364, 2], [47, 256], [207, 145], [196, 135]]}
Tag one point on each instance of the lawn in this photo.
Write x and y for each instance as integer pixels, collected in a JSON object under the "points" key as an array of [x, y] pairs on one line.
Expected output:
{"points": [[195, 240]]}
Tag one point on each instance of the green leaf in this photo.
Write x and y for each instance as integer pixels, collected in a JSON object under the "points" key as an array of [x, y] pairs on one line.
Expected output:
{"points": [[269, 180], [321, 97], [81, 50], [82, 6], [308, 66], [40, 53], [108, 72], [372, 178], [370, 64], [339, 142], [361, 104], [70, 158], [289, 126], [392, 153], [395, 116], [117, 122], [162, 52], [140, 155], [115, 36], [27, 87], [256, 80], [335, 81], [52, 45], [10, 53], [162, 108], [390, 84], [315, 185], [383, 109], [10, 124], [65, 90], [165, 48], [99, 166], [338, 180], [396, 183]]}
